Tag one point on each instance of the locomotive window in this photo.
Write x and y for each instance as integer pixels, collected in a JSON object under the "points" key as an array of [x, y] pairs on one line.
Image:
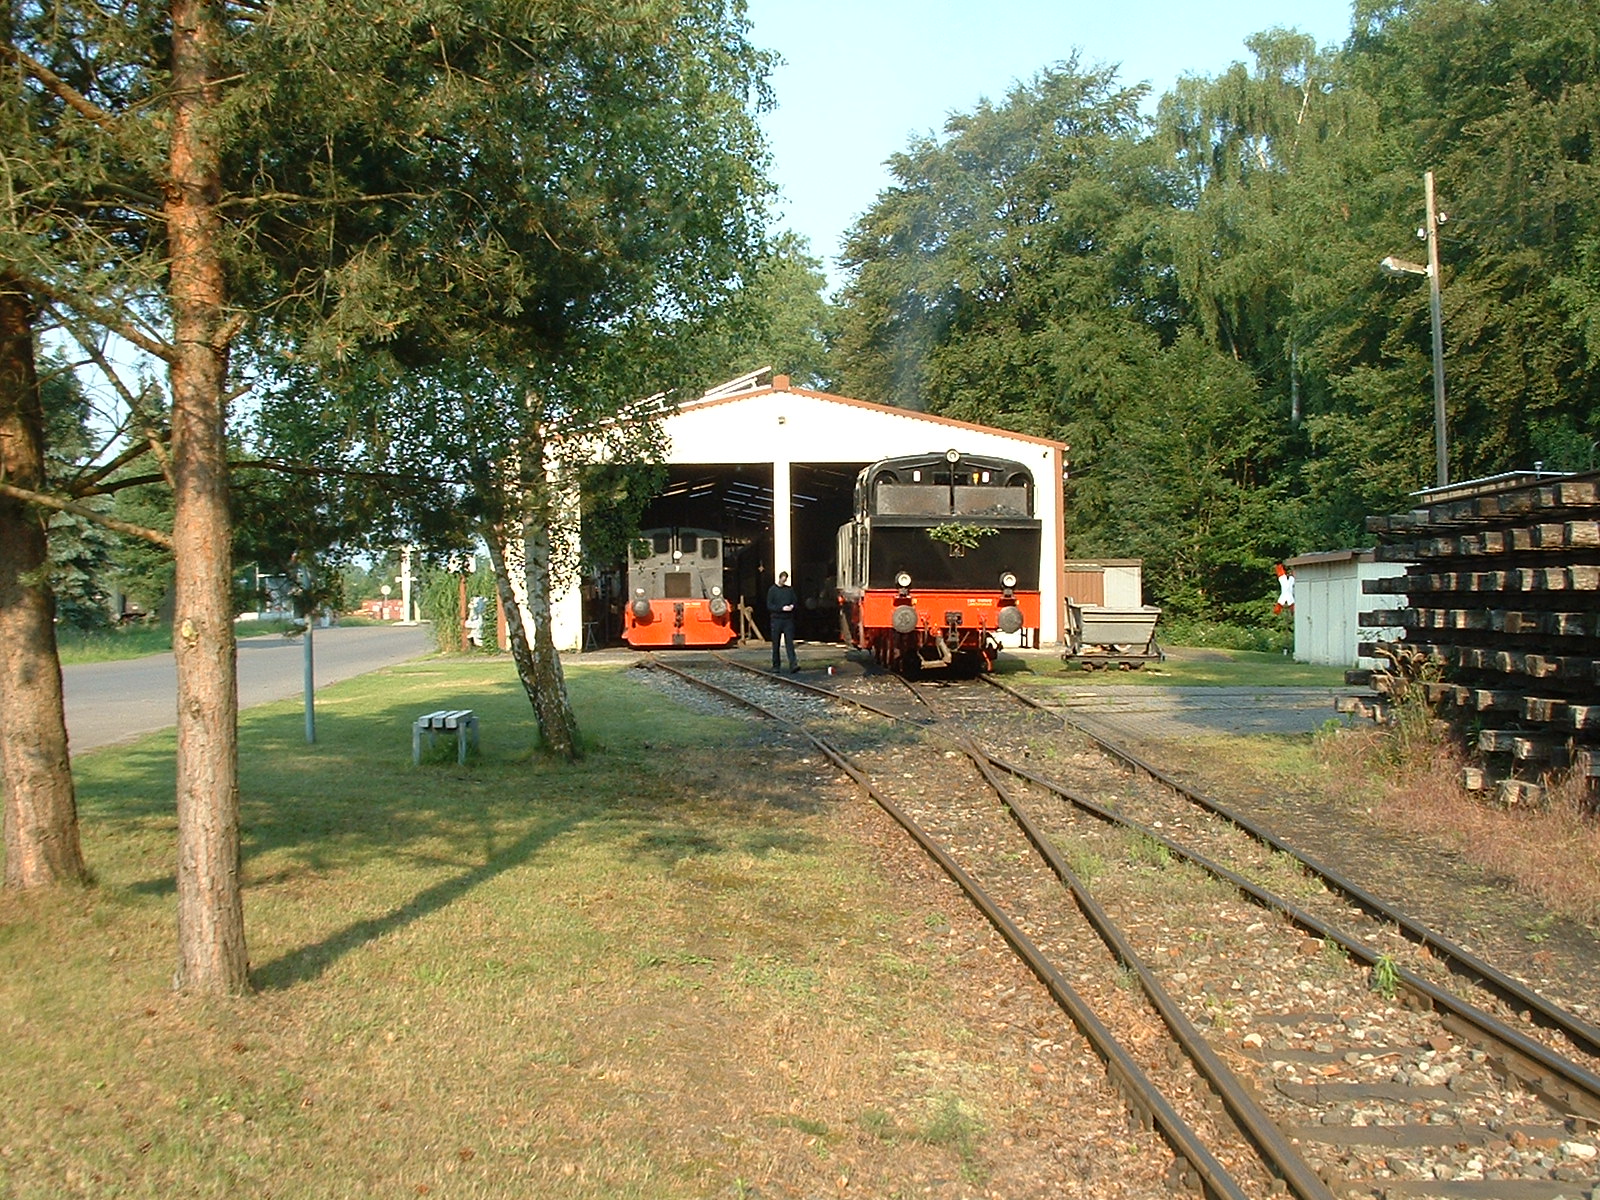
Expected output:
{"points": [[675, 585], [686, 543], [662, 543], [909, 499], [709, 550], [982, 501]]}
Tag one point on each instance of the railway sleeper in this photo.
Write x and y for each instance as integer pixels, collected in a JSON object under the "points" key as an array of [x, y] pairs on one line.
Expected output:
{"points": [[1421, 1137], [1513, 1065]]}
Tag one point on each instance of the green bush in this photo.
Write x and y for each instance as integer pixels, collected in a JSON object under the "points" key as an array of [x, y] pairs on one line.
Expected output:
{"points": [[440, 602], [1223, 635]]}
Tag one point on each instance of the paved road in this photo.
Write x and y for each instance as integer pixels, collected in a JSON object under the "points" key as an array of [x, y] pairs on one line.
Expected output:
{"points": [[116, 701], [1166, 713]]}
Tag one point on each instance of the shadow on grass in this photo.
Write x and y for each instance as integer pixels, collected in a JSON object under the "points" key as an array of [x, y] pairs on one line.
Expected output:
{"points": [[354, 809], [310, 961]]}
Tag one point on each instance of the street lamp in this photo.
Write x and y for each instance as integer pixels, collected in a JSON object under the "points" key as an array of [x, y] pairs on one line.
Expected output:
{"points": [[1399, 266]]}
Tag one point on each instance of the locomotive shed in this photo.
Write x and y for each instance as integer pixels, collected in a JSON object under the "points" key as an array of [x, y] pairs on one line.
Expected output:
{"points": [[773, 468]]}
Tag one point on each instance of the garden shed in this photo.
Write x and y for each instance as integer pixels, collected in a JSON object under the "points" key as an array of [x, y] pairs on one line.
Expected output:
{"points": [[1328, 601]]}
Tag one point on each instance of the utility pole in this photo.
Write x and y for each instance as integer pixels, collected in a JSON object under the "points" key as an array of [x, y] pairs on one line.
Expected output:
{"points": [[1397, 266], [1435, 307], [404, 580]]}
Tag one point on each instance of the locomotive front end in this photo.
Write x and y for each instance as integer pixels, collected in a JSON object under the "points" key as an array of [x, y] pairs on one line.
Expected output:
{"points": [[676, 597], [941, 560]]}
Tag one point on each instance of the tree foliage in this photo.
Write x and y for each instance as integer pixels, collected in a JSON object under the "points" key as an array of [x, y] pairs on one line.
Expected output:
{"points": [[1192, 300], [528, 192]]}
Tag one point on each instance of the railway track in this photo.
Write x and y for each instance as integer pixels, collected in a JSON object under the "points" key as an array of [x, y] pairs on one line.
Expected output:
{"points": [[1279, 1027]]}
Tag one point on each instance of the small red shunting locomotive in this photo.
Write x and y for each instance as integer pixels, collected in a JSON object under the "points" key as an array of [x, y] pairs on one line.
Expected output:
{"points": [[675, 591]]}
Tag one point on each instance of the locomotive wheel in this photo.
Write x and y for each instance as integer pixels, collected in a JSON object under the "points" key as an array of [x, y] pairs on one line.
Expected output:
{"points": [[967, 664], [880, 651]]}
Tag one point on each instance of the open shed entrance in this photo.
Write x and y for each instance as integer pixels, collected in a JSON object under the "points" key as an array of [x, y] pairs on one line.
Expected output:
{"points": [[735, 500]]}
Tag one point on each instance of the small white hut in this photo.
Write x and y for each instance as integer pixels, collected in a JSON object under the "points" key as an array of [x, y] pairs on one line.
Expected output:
{"points": [[1328, 601]]}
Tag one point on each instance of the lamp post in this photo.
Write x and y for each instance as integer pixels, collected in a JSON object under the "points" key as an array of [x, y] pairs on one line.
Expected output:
{"points": [[1397, 266]]}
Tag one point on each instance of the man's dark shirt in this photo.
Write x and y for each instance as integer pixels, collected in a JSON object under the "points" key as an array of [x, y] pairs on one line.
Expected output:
{"points": [[781, 602]]}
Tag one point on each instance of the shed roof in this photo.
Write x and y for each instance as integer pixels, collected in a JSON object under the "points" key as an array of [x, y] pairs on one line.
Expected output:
{"points": [[1328, 556]]}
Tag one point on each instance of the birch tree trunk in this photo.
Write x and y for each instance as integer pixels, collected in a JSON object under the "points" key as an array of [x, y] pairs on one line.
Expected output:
{"points": [[520, 552], [211, 945], [557, 722], [505, 560], [538, 663], [41, 808]]}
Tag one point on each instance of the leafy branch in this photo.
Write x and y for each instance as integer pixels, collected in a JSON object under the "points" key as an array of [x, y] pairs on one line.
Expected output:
{"points": [[960, 533]]}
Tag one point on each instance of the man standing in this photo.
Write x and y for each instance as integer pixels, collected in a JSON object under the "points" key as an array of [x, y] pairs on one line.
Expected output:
{"points": [[781, 602]]}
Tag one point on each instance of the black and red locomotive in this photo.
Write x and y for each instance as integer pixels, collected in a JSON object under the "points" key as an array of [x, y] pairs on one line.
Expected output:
{"points": [[941, 556]]}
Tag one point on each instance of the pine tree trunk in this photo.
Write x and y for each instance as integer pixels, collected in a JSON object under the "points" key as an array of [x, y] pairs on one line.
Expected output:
{"points": [[211, 945], [41, 809]]}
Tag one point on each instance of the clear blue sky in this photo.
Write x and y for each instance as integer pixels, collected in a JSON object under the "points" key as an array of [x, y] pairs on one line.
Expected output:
{"points": [[862, 77]]}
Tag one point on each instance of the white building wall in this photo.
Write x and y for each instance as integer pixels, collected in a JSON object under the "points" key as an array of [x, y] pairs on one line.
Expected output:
{"points": [[1328, 601], [1124, 585]]}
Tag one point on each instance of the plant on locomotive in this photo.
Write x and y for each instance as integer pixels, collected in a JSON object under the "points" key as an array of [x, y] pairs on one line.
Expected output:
{"points": [[675, 593], [941, 556]]}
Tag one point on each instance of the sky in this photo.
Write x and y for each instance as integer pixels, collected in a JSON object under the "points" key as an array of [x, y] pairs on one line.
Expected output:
{"points": [[861, 78]]}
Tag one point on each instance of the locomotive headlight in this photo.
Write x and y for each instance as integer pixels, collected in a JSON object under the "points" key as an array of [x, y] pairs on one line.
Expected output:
{"points": [[641, 606], [952, 456], [1010, 619], [903, 579], [715, 590], [1008, 579]]}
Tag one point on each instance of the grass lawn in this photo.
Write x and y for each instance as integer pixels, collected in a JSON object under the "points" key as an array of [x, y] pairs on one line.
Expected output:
{"points": [[109, 645], [136, 641], [656, 973]]}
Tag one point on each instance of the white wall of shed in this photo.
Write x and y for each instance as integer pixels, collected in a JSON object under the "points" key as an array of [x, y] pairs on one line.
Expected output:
{"points": [[1124, 586], [1328, 601]]}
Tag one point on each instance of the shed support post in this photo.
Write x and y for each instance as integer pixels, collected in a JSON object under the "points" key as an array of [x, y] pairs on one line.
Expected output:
{"points": [[782, 520]]}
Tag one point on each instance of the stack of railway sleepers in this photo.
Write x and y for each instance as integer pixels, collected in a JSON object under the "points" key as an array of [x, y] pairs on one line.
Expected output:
{"points": [[1501, 630]]}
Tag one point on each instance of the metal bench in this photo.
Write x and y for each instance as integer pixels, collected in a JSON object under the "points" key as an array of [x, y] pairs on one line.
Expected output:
{"points": [[463, 722]]}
